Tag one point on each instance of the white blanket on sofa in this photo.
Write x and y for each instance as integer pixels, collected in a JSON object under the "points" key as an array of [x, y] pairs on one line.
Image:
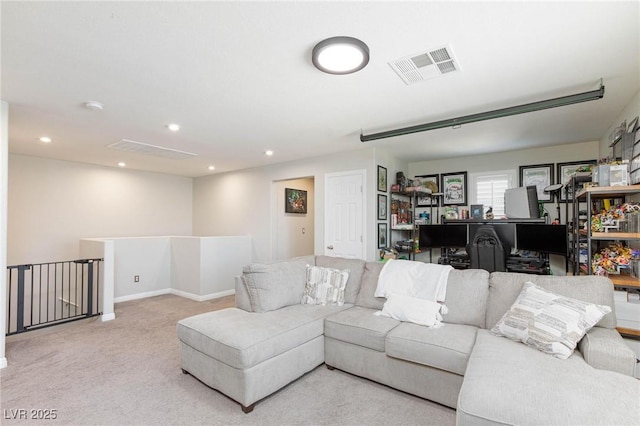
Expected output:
{"points": [[415, 291], [426, 281]]}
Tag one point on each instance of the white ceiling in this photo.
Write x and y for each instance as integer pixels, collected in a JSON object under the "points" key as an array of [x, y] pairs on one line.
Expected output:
{"points": [[238, 78]]}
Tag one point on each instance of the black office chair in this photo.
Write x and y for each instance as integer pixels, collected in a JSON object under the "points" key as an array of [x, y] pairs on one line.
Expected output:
{"points": [[486, 250]]}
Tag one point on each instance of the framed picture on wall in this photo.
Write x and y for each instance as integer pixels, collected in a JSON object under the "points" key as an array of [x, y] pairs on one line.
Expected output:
{"points": [[565, 170], [382, 207], [382, 235], [454, 189], [540, 176], [431, 182], [382, 179], [295, 201]]}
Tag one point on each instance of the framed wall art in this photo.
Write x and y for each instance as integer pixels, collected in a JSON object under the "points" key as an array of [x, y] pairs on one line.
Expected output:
{"points": [[540, 176], [382, 235], [454, 189], [295, 201], [382, 179], [382, 207], [428, 181], [564, 172]]}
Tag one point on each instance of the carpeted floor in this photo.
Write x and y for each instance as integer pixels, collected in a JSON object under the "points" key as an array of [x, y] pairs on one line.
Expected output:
{"points": [[127, 372]]}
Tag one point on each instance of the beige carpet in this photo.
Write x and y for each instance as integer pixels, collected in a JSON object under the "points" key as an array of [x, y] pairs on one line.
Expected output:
{"points": [[127, 371]]}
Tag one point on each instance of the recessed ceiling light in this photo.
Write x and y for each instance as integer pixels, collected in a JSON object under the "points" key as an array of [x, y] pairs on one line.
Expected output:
{"points": [[173, 127], [45, 139], [122, 164], [212, 168], [340, 55], [268, 153], [94, 105]]}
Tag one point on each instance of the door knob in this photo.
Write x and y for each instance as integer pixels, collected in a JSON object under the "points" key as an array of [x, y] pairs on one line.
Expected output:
{"points": [[330, 247]]}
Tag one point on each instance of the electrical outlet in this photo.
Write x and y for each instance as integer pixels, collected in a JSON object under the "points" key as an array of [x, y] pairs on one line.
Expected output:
{"points": [[136, 278]]}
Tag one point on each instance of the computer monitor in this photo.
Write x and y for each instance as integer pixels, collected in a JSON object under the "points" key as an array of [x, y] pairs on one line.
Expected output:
{"points": [[521, 203], [542, 238], [506, 233], [435, 236]]}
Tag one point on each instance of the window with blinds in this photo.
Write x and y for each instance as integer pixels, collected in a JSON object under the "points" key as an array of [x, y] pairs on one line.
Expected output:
{"points": [[489, 190]]}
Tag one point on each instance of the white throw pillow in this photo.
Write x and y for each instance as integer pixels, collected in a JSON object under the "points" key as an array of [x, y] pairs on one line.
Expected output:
{"points": [[325, 286], [411, 309], [549, 322]]}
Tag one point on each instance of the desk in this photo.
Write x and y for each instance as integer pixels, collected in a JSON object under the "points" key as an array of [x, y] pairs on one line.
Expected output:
{"points": [[494, 221]]}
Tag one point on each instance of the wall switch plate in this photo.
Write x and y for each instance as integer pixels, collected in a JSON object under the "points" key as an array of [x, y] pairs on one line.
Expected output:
{"points": [[136, 278]]}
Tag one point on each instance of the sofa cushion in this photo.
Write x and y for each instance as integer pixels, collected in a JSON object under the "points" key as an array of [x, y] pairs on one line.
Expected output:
{"points": [[243, 339], [356, 269], [467, 293], [359, 326], [274, 285], [324, 286], [368, 285], [446, 348], [508, 383], [504, 288], [548, 322]]}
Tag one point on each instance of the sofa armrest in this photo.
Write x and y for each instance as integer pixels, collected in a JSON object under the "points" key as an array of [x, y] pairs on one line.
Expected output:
{"points": [[242, 295], [604, 348]]}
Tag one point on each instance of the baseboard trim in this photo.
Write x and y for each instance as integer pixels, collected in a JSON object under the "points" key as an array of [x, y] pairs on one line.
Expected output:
{"points": [[108, 317], [203, 298], [173, 291], [3, 363], [141, 295]]}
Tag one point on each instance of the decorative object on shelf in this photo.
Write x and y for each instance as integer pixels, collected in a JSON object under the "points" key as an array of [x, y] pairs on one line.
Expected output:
{"points": [[382, 235], [489, 213], [566, 170], [430, 182], [538, 175], [382, 207], [613, 259], [614, 217], [451, 212], [382, 179], [618, 132], [633, 126], [477, 211], [454, 188], [295, 201]]}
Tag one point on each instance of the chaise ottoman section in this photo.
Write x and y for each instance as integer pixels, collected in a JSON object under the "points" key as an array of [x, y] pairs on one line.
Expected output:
{"points": [[507, 382], [446, 348], [240, 359]]}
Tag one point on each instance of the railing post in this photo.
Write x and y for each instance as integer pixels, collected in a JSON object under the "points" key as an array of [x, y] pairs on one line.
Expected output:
{"points": [[90, 289], [20, 313]]}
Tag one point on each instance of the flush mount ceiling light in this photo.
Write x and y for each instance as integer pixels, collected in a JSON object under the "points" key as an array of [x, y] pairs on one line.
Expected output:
{"points": [[173, 127], [45, 139], [340, 55], [268, 153]]}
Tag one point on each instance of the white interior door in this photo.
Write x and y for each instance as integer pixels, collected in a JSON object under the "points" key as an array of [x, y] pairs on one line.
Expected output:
{"points": [[344, 214]]}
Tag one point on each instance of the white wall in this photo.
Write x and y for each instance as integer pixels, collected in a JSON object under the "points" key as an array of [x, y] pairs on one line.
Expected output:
{"points": [[293, 232], [53, 204], [240, 203]]}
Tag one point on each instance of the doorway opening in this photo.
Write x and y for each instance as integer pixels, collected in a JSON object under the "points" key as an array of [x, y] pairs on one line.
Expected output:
{"points": [[293, 227]]}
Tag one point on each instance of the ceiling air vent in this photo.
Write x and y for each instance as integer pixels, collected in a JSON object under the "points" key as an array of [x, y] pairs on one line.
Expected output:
{"points": [[426, 65], [145, 148]]}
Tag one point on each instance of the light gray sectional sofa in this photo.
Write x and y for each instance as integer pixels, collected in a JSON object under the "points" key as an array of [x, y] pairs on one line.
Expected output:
{"points": [[270, 340]]}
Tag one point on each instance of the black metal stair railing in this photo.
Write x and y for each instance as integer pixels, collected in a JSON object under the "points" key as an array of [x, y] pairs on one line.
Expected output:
{"points": [[45, 294]]}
